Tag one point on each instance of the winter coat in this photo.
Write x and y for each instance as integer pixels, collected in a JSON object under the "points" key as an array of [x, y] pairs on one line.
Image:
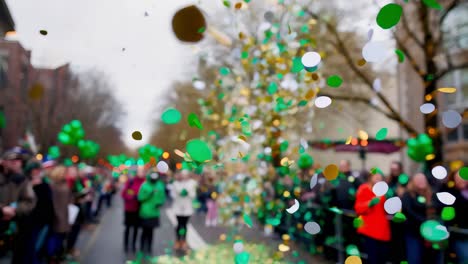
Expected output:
{"points": [[15, 188], [151, 196], [375, 222], [43, 212], [130, 194], [61, 198], [183, 204]]}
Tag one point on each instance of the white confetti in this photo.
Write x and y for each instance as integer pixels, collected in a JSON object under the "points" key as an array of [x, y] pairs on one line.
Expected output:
{"points": [[439, 172], [374, 51], [313, 180], [311, 59], [380, 188], [323, 101], [199, 85], [238, 247], [162, 167], [446, 198], [293, 208], [377, 85], [451, 119], [370, 34], [312, 228], [393, 205], [427, 108]]}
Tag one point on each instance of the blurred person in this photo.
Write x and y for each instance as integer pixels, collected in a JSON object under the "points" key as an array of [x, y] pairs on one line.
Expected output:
{"points": [[61, 198], [41, 218], [375, 229], [418, 206], [183, 192], [458, 240], [211, 218], [80, 196], [396, 188], [131, 206], [17, 200], [151, 196]]}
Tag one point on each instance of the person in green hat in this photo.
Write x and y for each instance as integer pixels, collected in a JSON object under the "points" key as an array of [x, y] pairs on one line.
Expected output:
{"points": [[151, 196]]}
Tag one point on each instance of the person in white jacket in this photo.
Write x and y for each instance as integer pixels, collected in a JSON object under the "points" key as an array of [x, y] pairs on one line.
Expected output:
{"points": [[183, 191]]}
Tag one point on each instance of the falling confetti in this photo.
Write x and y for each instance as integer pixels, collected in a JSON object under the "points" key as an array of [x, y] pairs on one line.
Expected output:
{"points": [[389, 16], [294, 207], [162, 167], [171, 116], [401, 55], [374, 51], [432, 4], [187, 22], [439, 172], [312, 228], [380, 188], [446, 198], [393, 205], [43, 32], [323, 101], [247, 220], [311, 59], [224, 71], [331, 172], [433, 231], [136, 135], [238, 247], [199, 85], [464, 173], [194, 121], [313, 180], [381, 134], [451, 119], [377, 85], [399, 218], [448, 213], [334, 81], [199, 150], [448, 90], [297, 65], [353, 260], [427, 108]]}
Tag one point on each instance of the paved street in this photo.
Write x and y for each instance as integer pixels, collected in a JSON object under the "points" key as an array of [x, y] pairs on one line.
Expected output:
{"points": [[103, 244]]}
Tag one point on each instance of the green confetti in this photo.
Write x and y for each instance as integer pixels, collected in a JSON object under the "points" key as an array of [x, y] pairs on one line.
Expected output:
{"points": [[199, 150], [247, 1], [201, 30], [334, 81], [302, 103], [403, 179], [352, 250], [272, 88], [389, 16], [464, 173], [244, 54], [448, 213], [224, 71], [358, 222], [2, 119], [194, 121], [432, 4], [381, 134], [171, 116], [399, 218], [297, 65], [227, 3], [401, 55], [247, 220]]}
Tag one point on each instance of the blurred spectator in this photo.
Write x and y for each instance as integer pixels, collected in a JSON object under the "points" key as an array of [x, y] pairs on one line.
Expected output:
{"points": [[183, 192], [152, 196], [61, 198], [212, 207], [459, 241], [375, 228], [40, 220], [131, 205], [17, 200], [418, 206]]}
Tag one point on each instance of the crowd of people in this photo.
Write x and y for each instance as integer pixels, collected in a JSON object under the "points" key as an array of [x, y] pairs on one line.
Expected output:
{"points": [[364, 222], [44, 205]]}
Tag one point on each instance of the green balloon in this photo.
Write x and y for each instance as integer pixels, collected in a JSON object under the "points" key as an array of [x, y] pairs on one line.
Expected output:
{"points": [[433, 231], [199, 150], [54, 152], [64, 138], [75, 123], [171, 116]]}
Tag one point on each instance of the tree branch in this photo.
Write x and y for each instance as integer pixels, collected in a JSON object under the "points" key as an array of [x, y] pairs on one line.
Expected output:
{"points": [[410, 32], [447, 10], [442, 73], [408, 55]]}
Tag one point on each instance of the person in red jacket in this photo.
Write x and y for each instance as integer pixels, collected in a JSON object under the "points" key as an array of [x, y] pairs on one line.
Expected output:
{"points": [[375, 229], [132, 206]]}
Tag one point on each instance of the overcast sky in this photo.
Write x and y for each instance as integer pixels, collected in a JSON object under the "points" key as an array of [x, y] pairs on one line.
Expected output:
{"points": [[90, 34]]}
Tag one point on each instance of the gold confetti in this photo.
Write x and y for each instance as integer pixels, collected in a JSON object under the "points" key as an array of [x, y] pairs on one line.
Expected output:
{"points": [[310, 94], [353, 260], [179, 153], [348, 141], [361, 62], [331, 172], [448, 90], [363, 135]]}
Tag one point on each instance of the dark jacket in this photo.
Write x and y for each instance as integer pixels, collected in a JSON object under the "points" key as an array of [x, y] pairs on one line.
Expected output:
{"points": [[43, 213], [461, 213], [416, 212], [15, 188]]}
